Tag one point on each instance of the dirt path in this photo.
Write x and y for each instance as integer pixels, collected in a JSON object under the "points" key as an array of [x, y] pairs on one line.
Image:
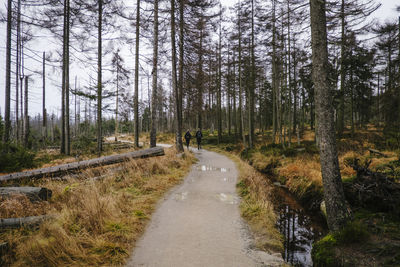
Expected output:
{"points": [[199, 224]]}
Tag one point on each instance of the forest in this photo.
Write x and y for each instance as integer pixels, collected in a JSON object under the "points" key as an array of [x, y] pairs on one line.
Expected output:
{"points": [[303, 96]]}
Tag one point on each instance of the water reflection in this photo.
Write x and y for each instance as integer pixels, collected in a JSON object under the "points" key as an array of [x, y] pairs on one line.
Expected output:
{"points": [[299, 228], [205, 168]]}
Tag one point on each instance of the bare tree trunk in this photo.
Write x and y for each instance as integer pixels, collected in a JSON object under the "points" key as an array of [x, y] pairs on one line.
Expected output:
{"points": [[181, 56], [99, 80], [219, 77], [67, 86], [241, 124], [44, 98], [17, 70], [62, 148], [235, 117], [136, 100], [252, 87], [26, 120], [178, 101], [153, 131], [229, 95], [340, 122], [289, 73], [116, 103], [7, 119], [274, 74], [337, 209]]}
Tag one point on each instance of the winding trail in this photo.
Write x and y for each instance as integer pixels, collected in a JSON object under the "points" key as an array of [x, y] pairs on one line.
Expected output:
{"points": [[199, 224]]}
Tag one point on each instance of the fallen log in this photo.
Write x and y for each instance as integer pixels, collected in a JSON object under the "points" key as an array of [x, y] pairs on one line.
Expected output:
{"points": [[374, 151], [74, 167], [22, 222], [33, 193]]}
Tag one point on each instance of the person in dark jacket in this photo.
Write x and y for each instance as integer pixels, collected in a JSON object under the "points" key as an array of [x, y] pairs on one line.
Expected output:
{"points": [[199, 135], [188, 136]]}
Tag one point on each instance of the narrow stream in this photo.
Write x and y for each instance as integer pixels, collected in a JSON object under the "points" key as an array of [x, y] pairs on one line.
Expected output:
{"points": [[299, 227]]}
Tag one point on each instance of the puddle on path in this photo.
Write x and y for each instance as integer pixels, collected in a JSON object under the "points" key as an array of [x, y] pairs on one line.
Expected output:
{"points": [[228, 179], [228, 198], [205, 168], [181, 196], [299, 228]]}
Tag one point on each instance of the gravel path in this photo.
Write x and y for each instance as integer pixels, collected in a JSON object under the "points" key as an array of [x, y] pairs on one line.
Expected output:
{"points": [[199, 224]]}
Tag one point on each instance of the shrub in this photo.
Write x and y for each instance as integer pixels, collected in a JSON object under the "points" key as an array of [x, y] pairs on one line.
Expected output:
{"points": [[15, 158]]}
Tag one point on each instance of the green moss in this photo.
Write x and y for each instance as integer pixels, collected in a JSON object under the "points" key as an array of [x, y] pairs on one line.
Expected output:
{"points": [[323, 253]]}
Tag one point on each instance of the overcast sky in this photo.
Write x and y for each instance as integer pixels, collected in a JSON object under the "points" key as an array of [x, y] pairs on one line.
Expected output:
{"points": [[386, 12]]}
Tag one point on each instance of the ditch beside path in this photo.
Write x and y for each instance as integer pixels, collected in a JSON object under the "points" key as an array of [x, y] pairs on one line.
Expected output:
{"points": [[199, 223]]}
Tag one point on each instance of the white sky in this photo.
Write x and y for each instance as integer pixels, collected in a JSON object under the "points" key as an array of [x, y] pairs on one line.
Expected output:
{"points": [[386, 12]]}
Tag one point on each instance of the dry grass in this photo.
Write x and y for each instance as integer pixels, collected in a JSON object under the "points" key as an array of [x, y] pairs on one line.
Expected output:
{"points": [[257, 208], [97, 221], [301, 174]]}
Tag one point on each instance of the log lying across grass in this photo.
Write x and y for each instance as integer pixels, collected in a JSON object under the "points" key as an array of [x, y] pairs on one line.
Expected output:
{"points": [[22, 222], [76, 166], [33, 193], [374, 151]]}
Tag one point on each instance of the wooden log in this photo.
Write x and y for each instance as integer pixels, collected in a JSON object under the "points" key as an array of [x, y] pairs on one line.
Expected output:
{"points": [[74, 167], [33, 193], [22, 222], [374, 151]]}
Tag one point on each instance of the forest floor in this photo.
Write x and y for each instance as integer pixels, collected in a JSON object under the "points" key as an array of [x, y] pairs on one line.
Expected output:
{"points": [[199, 224], [95, 222], [373, 238]]}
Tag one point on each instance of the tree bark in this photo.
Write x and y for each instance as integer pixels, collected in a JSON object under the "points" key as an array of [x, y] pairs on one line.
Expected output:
{"points": [[219, 100], [62, 147], [22, 222], [274, 72], [340, 122], [181, 55], [99, 80], [252, 86], [241, 120], [26, 120], [74, 167], [67, 86], [337, 209], [153, 131], [7, 119], [44, 97], [33, 193], [116, 103], [136, 100], [178, 107]]}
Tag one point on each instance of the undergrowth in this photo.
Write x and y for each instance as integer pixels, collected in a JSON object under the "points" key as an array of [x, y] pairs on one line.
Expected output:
{"points": [[96, 222]]}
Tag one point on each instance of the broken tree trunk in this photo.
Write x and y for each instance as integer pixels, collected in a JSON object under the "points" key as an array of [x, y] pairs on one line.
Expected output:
{"points": [[33, 193], [76, 166], [22, 222]]}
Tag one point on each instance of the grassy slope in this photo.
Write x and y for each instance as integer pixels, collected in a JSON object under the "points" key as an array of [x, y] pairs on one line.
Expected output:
{"points": [[97, 222], [376, 241]]}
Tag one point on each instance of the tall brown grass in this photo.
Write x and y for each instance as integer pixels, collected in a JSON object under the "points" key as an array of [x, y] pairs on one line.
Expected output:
{"points": [[256, 207], [96, 221]]}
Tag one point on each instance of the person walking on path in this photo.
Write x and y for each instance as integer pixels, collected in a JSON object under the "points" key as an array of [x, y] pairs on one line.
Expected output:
{"points": [[188, 136], [199, 135]]}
